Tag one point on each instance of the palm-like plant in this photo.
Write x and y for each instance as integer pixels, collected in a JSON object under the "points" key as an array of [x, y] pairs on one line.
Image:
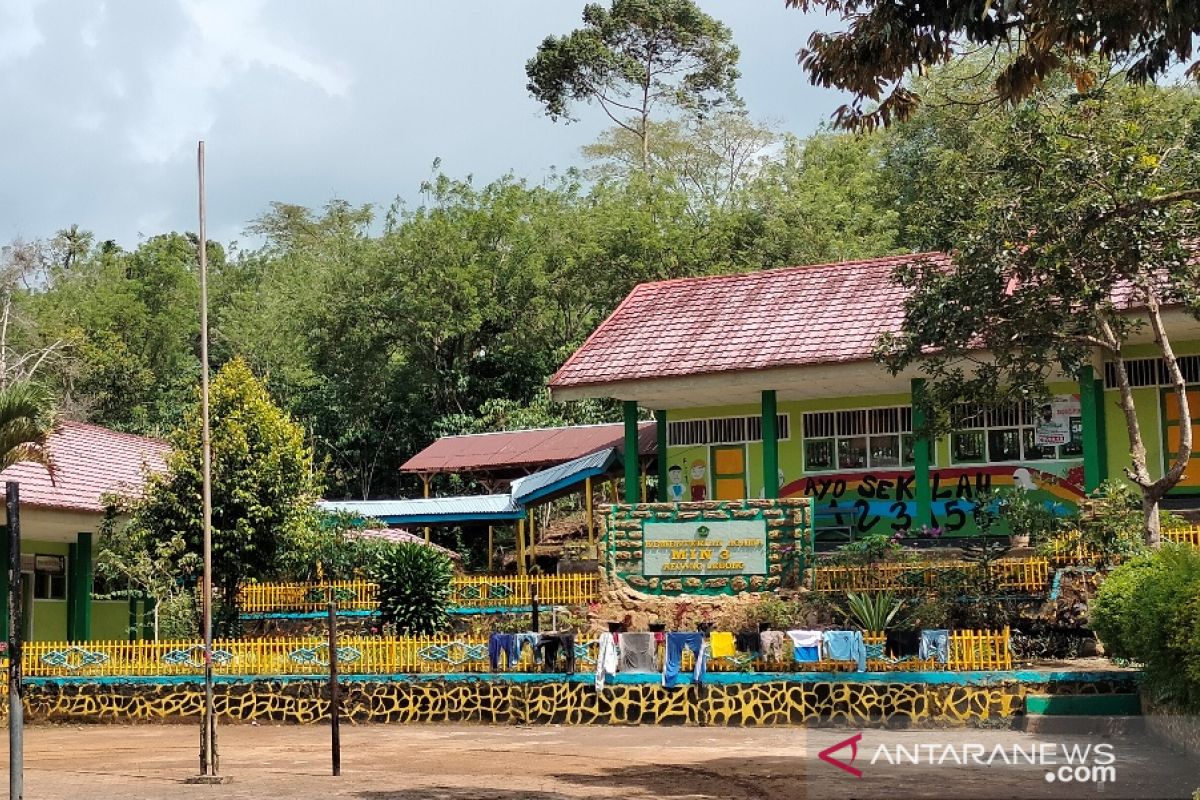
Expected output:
{"points": [[873, 612], [26, 421]]}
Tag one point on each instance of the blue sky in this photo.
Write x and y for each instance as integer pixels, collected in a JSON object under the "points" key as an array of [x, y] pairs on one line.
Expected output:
{"points": [[302, 101]]}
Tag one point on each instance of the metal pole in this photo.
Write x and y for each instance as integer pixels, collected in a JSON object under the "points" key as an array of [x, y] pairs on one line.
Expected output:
{"points": [[16, 699], [208, 731], [335, 706]]}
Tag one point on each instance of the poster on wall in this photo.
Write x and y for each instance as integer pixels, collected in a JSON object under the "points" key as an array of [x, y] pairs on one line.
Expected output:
{"points": [[1052, 424]]}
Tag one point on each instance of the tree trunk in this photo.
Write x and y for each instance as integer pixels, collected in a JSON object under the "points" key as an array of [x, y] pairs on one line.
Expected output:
{"points": [[1153, 525]]}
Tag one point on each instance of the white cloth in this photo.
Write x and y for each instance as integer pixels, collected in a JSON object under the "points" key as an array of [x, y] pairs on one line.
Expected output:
{"points": [[606, 659], [805, 639]]}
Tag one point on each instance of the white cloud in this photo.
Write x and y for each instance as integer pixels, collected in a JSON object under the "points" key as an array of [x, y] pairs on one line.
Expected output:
{"points": [[226, 39], [19, 33]]}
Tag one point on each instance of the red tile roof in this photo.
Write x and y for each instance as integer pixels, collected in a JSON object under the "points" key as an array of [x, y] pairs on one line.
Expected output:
{"points": [[90, 462], [522, 450], [774, 318]]}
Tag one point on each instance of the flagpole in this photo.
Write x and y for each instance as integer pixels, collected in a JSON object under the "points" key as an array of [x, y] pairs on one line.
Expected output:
{"points": [[208, 729]]}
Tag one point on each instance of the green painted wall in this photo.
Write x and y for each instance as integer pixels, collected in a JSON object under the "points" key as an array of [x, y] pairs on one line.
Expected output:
{"points": [[110, 619], [49, 620]]}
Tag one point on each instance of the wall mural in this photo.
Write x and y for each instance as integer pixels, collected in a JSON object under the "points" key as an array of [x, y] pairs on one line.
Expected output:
{"points": [[884, 501]]}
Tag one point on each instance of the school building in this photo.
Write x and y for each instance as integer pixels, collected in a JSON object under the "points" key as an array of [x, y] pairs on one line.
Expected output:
{"points": [[61, 517], [763, 385]]}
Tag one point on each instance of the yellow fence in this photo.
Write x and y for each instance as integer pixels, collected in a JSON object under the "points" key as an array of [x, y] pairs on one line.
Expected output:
{"points": [[969, 650], [470, 591], [1030, 575], [1069, 550]]}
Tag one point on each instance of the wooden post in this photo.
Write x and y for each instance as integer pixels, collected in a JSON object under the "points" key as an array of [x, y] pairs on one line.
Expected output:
{"points": [[425, 482], [532, 538], [521, 546], [491, 546], [591, 518], [335, 705]]}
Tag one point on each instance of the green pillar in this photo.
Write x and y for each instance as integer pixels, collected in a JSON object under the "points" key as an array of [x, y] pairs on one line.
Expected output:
{"points": [[4, 584], [1091, 406], [922, 485], [83, 588], [72, 603], [660, 445], [770, 446], [632, 481]]}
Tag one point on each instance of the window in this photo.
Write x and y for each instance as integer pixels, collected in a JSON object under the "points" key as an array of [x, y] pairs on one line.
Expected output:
{"points": [[986, 436], [1151, 371], [723, 430], [49, 578], [866, 438]]}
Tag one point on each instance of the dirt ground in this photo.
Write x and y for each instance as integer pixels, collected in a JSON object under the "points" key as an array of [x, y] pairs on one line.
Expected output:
{"points": [[461, 762]]}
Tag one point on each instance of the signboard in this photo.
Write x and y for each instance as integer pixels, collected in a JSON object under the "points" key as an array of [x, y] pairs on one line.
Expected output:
{"points": [[1052, 421], [726, 548]]}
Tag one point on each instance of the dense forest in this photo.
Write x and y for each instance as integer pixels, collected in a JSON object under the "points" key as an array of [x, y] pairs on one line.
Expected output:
{"points": [[380, 329]]}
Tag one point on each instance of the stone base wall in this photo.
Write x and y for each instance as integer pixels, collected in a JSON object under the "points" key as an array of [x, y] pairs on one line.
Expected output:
{"points": [[550, 700]]}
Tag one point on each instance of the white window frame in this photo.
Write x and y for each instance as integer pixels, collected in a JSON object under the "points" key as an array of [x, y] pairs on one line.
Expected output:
{"points": [[874, 424], [1019, 417], [711, 426]]}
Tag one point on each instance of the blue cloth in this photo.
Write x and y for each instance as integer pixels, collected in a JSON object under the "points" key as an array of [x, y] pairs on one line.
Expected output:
{"points": [[502, 644], [846, 646], [806, 654], [935, 643], [676, 644], [531, 639]]}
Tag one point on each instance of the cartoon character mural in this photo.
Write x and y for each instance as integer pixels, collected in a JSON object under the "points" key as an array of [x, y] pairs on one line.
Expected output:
{"points": [[699, 480], [885, 501], [675, 490]]}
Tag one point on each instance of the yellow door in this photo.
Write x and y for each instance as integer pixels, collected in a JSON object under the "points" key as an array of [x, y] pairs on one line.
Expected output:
{"points": [[729, 473], [1191, 476]]}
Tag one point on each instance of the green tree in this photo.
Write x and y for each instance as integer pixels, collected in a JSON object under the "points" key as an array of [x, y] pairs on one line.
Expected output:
{"points": [[414, 588], [27, 418], [887, 40], [635, 56], [1072, 222], [262, 483]]}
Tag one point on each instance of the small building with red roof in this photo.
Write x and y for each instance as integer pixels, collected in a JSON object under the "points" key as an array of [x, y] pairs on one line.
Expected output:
{"points": [[60, 518], [764, 385]]}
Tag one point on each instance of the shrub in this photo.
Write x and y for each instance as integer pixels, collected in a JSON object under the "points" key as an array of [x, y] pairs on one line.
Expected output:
{"points": [[1148, 610], [870, 549], [873, 612], [1026, 515], [414, 588]]}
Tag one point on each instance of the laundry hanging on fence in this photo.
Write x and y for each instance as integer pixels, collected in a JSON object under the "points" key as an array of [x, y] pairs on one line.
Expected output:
{"points": [[636, 653], [772, 642], [749, 642], [676, 644], [806, 645], [551, 644], [502, 644], [606, 658], [721, 644], [935, 643], [845, 646], [902, 644], [529, 640]]}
